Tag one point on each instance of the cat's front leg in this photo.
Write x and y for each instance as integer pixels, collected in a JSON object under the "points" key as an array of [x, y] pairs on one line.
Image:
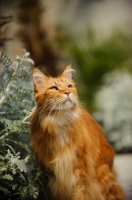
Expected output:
{"points": [[78, 191], [111, 189]]}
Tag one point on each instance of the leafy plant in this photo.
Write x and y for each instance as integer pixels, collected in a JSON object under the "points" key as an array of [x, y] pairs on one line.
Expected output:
{"points": [[20, 178], [114, 109]]}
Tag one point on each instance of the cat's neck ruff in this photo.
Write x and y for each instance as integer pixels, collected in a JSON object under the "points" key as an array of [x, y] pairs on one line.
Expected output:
{"points": [[61, 117], [59, 123], [65, 117]]}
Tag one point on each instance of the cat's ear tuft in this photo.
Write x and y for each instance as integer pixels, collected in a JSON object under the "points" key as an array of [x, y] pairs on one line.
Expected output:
{"points": [[68, 72], [39, 80]]}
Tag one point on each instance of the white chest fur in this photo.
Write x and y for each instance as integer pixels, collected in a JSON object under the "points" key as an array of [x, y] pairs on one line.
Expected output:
{"points": [[65, 157], [63, 123], [60, 123]]}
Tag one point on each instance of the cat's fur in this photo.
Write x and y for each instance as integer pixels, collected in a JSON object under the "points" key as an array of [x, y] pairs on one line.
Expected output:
{"points": [[68, 141]]}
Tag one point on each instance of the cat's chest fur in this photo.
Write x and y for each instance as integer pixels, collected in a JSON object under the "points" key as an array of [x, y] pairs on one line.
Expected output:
{"points": [[63, 153], [61, 125]]}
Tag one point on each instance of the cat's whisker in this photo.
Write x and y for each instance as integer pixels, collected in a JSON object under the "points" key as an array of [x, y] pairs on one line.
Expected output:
{"points": [[80, 106], [60, 108], [51, 110], [58, 111], [58, 105], [50, 106], [45, 108], [55, 104]]}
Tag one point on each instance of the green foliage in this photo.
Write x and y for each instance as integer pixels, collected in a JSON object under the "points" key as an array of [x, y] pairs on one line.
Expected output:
{"points": [[20, 178], [95, 57], [15, 83]]}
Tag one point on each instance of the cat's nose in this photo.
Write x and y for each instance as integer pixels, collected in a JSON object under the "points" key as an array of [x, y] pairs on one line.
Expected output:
{"points": [[67, 92]]}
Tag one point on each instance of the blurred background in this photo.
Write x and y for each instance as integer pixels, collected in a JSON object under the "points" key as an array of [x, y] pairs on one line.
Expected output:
{"points": [[96, 37]]}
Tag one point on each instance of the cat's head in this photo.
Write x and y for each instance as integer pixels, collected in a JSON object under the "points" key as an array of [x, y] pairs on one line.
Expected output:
{"points": [[54, 94]]}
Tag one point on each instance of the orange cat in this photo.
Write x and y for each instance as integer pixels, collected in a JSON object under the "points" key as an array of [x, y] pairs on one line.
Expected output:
{"points": [[67, 140]]}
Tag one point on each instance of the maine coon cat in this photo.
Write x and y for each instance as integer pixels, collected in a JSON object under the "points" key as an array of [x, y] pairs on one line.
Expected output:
{"points": [[68, 141]]}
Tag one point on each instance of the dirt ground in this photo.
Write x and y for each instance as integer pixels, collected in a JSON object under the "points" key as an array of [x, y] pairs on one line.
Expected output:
{"points": [[123, 167]]}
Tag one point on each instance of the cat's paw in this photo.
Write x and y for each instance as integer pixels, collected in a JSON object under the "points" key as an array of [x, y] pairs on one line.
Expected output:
{"points": [[116, 193]]}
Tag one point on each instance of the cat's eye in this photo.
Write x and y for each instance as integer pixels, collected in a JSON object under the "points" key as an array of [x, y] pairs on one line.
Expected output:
{"points": [[54, 88], [70, 86]]}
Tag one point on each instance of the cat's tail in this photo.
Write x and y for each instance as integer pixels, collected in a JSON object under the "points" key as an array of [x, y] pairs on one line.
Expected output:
{"points": [[110, 188]]}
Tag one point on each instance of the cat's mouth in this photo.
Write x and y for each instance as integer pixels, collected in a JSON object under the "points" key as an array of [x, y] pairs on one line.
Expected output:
{"points": [[65, 104], [67, 100]]}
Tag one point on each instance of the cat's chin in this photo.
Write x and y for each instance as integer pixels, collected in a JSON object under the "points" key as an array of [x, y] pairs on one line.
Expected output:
{"points": [[67, 105]]}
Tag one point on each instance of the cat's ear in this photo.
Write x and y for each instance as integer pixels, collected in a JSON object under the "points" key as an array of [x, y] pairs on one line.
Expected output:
{"points": [[39, 80], [68, 72]]}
